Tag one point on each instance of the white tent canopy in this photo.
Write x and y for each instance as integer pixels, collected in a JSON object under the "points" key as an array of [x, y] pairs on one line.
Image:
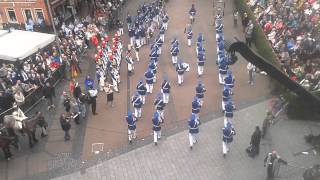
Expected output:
{"points": [[18, 45]]}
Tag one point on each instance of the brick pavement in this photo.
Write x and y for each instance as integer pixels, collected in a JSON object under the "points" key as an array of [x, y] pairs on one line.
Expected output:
{"points": [[172, 159]]}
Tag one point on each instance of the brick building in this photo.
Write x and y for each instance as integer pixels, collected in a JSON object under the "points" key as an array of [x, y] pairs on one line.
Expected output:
{"points": [[17, 12]]}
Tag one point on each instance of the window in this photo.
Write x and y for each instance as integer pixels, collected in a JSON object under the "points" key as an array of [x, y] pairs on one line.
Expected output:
{"points": [[11, 15], [39, 13], [27, 14]]}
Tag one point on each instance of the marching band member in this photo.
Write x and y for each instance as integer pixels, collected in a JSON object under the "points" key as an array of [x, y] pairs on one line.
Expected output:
{"points": [[131, 121], [137, 104], [165, 89], [149, 81], [142, 90], [228, 133], [193, 125], [200, 90], [156, 127]]}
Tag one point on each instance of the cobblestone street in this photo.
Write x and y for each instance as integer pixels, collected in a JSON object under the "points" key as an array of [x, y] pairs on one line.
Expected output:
{"points": [[172, 158]]}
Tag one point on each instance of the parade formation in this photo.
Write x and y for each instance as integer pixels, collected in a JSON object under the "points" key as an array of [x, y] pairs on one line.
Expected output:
{"points": [[140, 72]]}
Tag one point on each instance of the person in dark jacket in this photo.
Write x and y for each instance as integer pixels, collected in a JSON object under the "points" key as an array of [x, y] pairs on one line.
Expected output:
{"points": [[77, 91], [255, 142], [49, 93], [65, 124]]}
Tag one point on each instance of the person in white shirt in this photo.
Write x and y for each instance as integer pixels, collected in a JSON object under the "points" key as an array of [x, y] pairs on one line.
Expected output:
{"points": [[251, 70]]}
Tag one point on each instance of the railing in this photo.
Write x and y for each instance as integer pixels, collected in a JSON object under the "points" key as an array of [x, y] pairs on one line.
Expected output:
{"points": [[35, 96]]}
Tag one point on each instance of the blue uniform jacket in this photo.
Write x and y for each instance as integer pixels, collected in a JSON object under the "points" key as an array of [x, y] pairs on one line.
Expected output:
{"points": [[149, 77], [88, 83], [156, 124], [174, 51], [159, 104], [200, 91], [228, 110], [201, 59], [193, 126], [195, 107], [162, 30], [131, 123], [137, 103], [226, 95], [223, 67], [165, 87], [180, 69], [141, 89], [228, 134], [153, 68], [189, 34], [192, 11], [229, 81]]}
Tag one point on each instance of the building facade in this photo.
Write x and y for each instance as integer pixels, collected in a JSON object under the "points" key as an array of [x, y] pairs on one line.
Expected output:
{"points": [[18, 12]]}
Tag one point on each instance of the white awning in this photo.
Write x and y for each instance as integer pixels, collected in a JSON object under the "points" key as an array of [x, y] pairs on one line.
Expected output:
{"points": [[3, 32], [18, 45]]}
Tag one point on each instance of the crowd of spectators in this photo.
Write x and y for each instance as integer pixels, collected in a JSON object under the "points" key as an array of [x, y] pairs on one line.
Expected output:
{"points": [[293, 30], [20, 79]]}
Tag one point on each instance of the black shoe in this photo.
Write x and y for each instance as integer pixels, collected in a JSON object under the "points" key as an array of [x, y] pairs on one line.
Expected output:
{"points": [[155, 143], [130, 142], [190, 147], [224, 155]]}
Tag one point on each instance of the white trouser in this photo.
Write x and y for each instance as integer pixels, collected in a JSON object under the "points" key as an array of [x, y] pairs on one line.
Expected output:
{"points": [[192, 139], [137, 56], [201, 101], [226, 120], [166, 98], [196, 114], [149, 88], [131, 41], [155, 78], [165, 25], [221, 78], [156, 136], [137, 112], [115, 85], [189, 42], [159, 51], [138, 42], [131, 134], [180, 79], [225, 147], [143, 99], [174, 59], [200, 70], [143, 41], [130, 67], [162, 37], [223, 103], [120, 31]]}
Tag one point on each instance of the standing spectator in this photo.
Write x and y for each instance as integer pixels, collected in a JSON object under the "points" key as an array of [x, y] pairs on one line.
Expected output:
{"points": [[75, 111], [248, 33], [251, 70], [269, 161], [129, 21], [255, 143], [49, 93], [245, 21], [66, 101], [93, 99], [19, 98], [109, 92], [65, 124], [77, 91]]}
